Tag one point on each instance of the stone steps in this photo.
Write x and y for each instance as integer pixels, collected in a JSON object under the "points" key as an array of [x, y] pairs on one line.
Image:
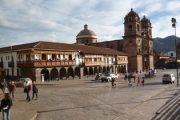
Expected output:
{"points": [[170, 110]]}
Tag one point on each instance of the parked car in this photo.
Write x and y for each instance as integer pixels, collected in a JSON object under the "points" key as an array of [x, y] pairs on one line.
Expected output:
{"points": [[168, 78], [23, 82], [108, 77], [114, 76], [105, 78]]}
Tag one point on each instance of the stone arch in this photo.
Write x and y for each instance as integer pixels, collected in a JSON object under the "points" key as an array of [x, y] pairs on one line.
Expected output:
{"points": [[85, 71], [100, 69], [108, 69], [124, 69], [104, 69], [54, 74], [118, 69], [111, 70], [91, 72], [45, 72], [63, 73], [77, 71], [70, 72], [96, 71]]}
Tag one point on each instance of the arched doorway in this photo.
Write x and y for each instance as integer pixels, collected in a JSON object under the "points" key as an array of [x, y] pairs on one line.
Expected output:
{"points": [[96, 71], [124, 69], [70, 72], [54, 74], [63, 73], [119, 69], [85, 71], [108, 69], [104, 69], [77, 72], [100, 69], [45, 73], [91, 71]]}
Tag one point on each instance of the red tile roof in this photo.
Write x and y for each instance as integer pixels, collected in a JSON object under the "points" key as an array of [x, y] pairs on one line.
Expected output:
{"points": [[63, 47]]}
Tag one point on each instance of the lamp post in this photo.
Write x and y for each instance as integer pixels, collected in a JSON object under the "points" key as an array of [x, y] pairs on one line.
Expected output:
{"points": [[173, 20]]}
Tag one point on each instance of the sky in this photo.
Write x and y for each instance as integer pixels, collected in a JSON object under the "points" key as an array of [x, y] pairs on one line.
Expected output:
{"points": [[25, 21]]}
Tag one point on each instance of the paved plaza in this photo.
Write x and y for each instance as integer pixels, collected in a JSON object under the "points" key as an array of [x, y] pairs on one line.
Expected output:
{"points": [[86, 99]]}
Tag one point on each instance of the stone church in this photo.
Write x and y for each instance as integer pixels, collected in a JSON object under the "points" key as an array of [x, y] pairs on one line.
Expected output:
{"points": [[137, 41]]}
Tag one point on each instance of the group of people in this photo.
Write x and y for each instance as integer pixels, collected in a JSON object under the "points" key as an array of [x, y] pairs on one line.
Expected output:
{"points": [[28, 88], [136, 76], [9, 89]]}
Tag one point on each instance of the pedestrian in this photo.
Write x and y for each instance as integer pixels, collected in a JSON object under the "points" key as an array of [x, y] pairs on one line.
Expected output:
{"points": [[35, 91], [129, 81], [12, 88], [5, 107], [142, 81], [27, 89], [138, 81], [112, 82]]}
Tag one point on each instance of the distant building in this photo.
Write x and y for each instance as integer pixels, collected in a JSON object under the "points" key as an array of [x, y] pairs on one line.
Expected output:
{"points": [[137, 42], [44, 61]]}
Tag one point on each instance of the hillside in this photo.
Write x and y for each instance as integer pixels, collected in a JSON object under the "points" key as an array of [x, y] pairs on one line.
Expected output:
{"points": [[165, 44]]}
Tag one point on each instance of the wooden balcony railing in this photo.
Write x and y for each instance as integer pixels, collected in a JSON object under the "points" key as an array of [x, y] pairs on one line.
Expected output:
{"points": [[45, 63], [93, 63]]}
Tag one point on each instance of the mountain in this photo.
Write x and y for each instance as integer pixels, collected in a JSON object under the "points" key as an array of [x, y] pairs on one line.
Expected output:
{"points": [[165, 44]]}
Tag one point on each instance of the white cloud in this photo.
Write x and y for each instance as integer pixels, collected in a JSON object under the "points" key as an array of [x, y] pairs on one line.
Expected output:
{"points": [[61, 20]]}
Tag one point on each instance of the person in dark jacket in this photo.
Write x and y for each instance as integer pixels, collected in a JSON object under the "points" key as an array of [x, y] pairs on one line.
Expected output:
{"points": [[35, 91], [5, 107]]}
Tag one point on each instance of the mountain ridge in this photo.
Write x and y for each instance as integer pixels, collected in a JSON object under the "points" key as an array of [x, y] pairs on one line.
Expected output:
{"points": [[165, 44]]}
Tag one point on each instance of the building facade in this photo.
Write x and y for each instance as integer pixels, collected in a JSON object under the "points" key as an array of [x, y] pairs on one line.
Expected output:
{"points": [[44, 61], [137, 42]]}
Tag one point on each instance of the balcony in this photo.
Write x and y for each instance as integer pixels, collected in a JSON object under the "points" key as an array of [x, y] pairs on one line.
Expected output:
{"points": [[94, 63], [45, 63]]}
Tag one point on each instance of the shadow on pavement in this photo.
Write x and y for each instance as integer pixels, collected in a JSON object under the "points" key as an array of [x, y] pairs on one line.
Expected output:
{"points": [[154, 83]]}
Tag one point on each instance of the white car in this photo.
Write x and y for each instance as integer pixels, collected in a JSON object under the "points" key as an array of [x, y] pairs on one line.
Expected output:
{"points": [[114, 76], [109, 77], [168, 78]]}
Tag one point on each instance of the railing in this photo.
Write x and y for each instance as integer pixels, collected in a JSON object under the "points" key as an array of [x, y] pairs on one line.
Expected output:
{"points": [[45, 63], [94, 63]]}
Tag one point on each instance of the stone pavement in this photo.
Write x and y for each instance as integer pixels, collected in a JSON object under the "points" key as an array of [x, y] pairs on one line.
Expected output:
{"points": [[19, 102]]}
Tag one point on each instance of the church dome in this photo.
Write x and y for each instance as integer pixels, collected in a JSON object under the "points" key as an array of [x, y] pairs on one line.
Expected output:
{"points": [[86, 33], [86, 36], [131, 16], [145, 20]]}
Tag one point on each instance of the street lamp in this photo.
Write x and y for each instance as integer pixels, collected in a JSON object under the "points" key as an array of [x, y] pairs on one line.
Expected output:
{"points": [[173, 20]]}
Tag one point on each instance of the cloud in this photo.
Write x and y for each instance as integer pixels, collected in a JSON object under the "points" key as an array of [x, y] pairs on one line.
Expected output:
{"points": [[62, 20]]}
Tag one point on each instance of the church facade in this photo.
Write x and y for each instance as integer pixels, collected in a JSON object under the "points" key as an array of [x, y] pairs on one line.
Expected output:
{"points": [[137, 42]]}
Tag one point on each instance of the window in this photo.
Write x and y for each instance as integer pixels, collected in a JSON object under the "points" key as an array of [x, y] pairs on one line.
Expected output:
{"points": [[95, 59], [172, 54], [28, 57], [130, 27], [70, 57], [138, 28], [43, 56]]}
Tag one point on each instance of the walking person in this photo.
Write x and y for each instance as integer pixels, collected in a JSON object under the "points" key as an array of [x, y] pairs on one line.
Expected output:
{"points": [[5, 107], [27, 90], [138, 81], [12, 88], [129, 81], [112, 82], [34, 90], [142, 81]]}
